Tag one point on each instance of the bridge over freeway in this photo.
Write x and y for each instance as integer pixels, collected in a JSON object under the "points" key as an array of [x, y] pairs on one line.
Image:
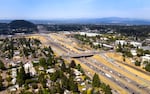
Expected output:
{"points": [[81, 55]]}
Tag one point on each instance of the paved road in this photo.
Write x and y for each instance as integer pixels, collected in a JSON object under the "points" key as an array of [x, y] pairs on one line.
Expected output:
{"points": [[115, 63], [107, 72], [128, 82], [108, 75], [65, 50]]}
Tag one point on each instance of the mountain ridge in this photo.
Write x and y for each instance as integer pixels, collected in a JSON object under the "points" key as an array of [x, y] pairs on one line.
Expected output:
{"points": [[105, 20]]}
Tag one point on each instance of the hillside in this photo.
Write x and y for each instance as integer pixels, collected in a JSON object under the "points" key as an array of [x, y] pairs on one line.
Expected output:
{"points": [[17, 26]]}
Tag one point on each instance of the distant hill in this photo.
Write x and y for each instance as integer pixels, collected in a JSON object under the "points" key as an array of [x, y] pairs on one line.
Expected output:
{"points": [[17, 26]]}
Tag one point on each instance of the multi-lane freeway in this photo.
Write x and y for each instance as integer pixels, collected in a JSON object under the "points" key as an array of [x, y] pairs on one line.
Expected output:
{"points": [[126, 81], [122, 80]]}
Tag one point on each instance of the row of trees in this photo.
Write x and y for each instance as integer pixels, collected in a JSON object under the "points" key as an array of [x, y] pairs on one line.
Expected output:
{"points": [[147, 65], [87, 40], [124, 49]]}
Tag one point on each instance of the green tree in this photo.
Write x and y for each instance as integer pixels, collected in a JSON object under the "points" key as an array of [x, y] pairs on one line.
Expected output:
{"points": [[25, 51], [128, 54], [37, 42], [43, 62], [108, 90], [72, 64], [42, 80], [96, 81], [63, 66], [147, 67], [137, 63], [65, 82], [26, 86], [50, 49], [119, 49], [21, 76], [2, 66], [55, 76], [73, 85], [12, 47], [50, 61], [59, 89], [145, 62], [124, 59], [78, 67], [8, 79], [140, 52], [1, 84]]}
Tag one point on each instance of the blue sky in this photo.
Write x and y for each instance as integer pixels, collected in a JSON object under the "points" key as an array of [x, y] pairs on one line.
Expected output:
{"points": [[58, 9]]}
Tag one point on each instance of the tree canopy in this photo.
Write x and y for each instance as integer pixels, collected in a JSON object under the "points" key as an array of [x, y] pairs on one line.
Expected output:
{"points": [[2, 66], [96, 81]]}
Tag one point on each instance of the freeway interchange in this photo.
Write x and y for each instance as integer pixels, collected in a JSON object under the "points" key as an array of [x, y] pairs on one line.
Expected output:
{"points": [[112, 72]]}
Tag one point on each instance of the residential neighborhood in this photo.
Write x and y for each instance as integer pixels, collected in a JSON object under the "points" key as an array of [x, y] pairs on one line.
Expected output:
{"points": [[32, 68]]}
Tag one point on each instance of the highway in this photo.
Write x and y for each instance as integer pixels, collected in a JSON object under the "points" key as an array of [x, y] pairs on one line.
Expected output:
{"points": [[131, 74], [66, 50], [118, 77], [108, 76], [100, 72], [125, 82]]}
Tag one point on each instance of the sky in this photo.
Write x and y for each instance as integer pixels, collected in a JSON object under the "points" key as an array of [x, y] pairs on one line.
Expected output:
{"points": [[68, 9]]}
